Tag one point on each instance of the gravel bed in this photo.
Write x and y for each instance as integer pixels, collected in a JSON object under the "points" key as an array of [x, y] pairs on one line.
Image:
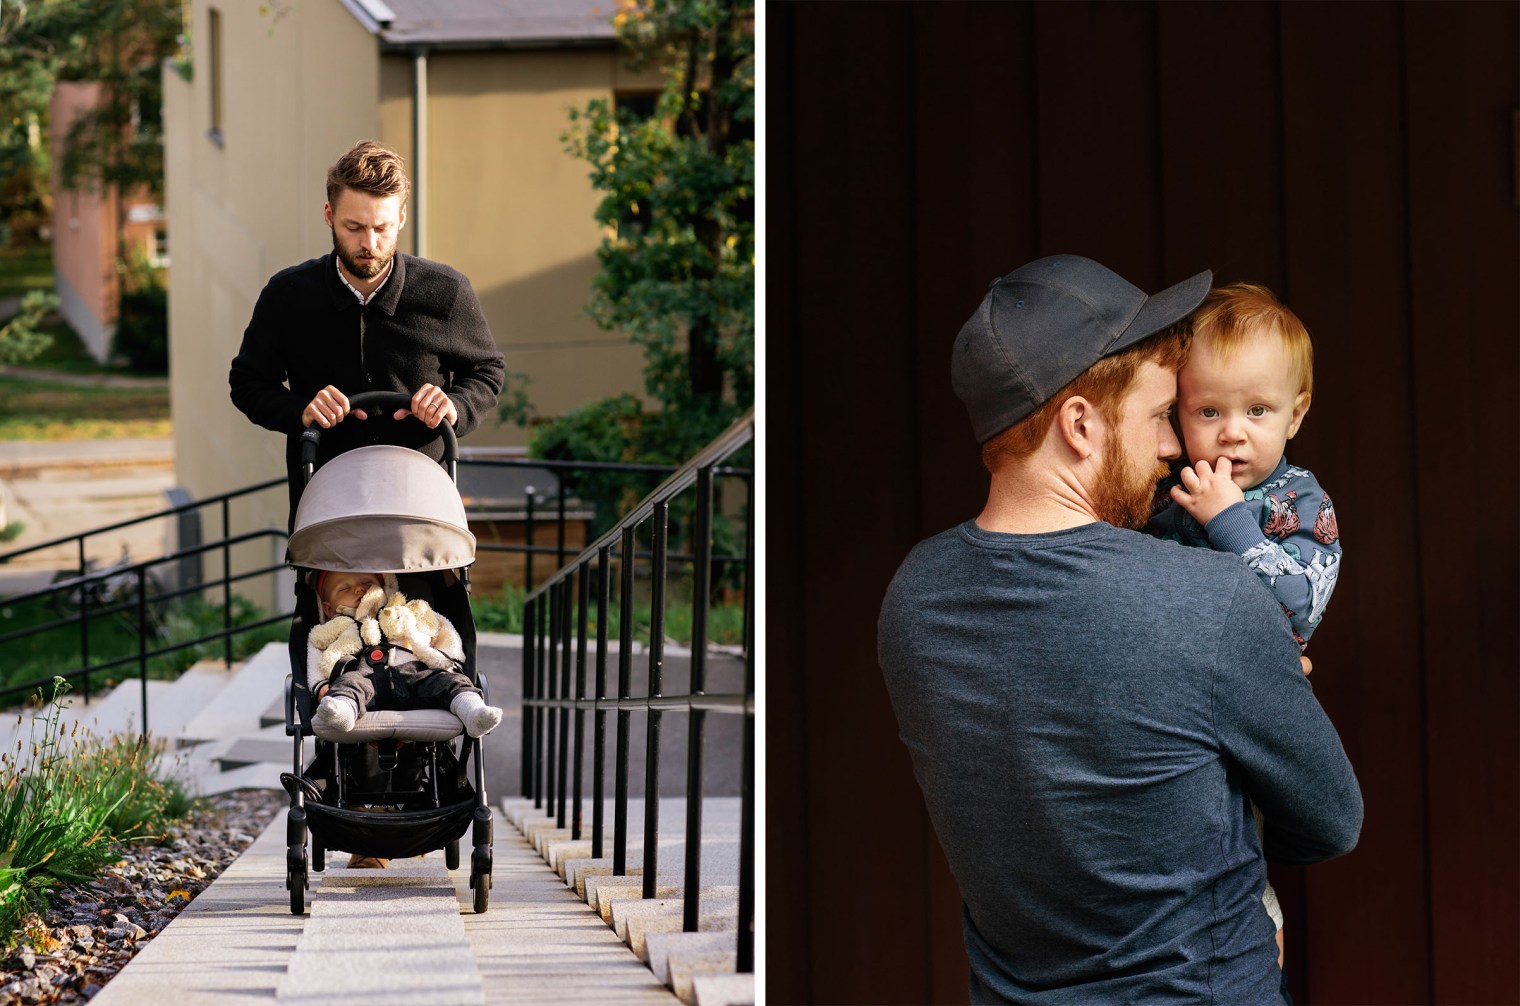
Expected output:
{"points": [[90, 931]]}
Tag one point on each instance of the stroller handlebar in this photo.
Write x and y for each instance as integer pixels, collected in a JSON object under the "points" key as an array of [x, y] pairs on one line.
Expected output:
{"points": [[379, 405]]}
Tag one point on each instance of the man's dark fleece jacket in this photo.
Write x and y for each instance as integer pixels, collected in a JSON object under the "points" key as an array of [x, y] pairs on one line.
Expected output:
{"points": [[424, 326]]}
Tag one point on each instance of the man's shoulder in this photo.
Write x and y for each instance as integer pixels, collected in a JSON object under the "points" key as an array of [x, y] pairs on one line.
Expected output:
{"points": [[302, 274], [426, 270]]}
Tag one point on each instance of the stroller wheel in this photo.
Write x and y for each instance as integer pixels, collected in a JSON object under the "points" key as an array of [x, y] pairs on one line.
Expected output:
{"points": [[451, 855], [480, 878], [296, 879]]}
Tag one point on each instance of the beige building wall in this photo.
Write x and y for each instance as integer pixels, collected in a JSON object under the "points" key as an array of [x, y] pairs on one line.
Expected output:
{"points": [[298, 89], [504, 203]]}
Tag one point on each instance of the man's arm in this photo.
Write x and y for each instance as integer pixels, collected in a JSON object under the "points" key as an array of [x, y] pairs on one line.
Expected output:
{"points": [[1269, 722], [477, 362], [258, 374]]}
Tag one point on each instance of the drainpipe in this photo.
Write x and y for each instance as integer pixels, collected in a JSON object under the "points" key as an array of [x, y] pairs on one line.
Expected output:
{"points": [[419, 148]]}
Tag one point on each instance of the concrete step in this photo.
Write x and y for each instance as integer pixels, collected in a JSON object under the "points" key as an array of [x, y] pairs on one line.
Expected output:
{"points": [[169, 712], [234, 710], [724, 990], [652, 927], [250, 747]]}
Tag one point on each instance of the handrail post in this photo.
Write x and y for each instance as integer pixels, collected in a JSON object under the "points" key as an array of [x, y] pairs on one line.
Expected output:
{"points": [[701, 577], [625, 669], [530, 643], [746, 949], [530, 493], [552, 672], [582, 624], [142, 645], [226, 583], [84, 637], [559, 537], [658, 550], [564, 696], [599, 730]]}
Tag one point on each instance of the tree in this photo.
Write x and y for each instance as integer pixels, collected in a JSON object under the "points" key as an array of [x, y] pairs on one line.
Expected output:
{"points": [[677, 267], [118, 143]]}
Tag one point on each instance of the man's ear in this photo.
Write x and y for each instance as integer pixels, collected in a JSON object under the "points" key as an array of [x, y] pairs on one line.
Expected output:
{"points": [[327, 213], [1300, 410], [1080, 426]]}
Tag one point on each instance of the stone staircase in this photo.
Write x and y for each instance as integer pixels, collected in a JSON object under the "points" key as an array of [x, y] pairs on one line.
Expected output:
{"points": [[700, 966], [560, 928]]}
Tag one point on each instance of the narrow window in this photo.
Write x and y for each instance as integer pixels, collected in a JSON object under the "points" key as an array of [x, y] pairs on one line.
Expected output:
{"points": [[215, 56]]}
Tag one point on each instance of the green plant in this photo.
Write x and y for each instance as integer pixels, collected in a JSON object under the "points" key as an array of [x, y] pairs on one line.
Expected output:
{"points": [[142, 326], [21, 338], [676, 180], [64, 807]]}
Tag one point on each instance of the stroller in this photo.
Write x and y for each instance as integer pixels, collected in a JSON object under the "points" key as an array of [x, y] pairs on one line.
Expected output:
{"points": [[399, 783]]}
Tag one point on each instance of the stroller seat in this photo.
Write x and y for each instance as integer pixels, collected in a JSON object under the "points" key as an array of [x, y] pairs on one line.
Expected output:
{"points": [[396, 724]]}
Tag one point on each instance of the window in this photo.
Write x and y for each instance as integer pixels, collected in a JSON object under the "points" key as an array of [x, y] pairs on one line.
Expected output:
{"points": [[214, 57]]}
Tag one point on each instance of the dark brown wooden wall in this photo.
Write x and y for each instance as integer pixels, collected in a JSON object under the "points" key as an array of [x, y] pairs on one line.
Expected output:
{"points": [[1358, 159]]}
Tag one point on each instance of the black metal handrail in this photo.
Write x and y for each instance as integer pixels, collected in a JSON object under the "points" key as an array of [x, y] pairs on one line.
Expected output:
{"points": [[549, 639], [144, 608]]}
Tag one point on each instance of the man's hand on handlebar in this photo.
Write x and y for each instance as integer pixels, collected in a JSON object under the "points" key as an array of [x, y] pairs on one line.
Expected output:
{"points": [[432, 406], [328, 409]]}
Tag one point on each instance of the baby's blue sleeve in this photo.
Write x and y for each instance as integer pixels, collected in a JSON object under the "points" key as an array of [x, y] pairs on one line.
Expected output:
{"points": [[1295, 550]]}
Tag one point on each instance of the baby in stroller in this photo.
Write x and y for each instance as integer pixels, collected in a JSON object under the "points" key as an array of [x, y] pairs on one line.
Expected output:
{"points": [[389, 687], [377, 650]]}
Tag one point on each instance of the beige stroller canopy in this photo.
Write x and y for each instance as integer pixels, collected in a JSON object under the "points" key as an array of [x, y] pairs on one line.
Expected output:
{"points": [[381, 509]]}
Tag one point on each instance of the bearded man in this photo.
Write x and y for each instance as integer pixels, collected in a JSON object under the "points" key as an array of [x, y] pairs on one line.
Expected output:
{"points": [[1088, 708], [366, 318]]}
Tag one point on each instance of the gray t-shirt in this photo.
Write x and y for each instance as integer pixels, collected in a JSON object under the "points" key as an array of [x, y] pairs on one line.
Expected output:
{"points": [[1087, 711]]}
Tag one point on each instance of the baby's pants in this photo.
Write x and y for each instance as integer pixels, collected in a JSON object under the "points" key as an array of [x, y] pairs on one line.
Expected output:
{"points": [[412, 685]]}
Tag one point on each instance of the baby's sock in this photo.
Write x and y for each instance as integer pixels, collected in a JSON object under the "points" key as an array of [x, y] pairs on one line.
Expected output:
{"points": [[477, 717], [337, 713]]}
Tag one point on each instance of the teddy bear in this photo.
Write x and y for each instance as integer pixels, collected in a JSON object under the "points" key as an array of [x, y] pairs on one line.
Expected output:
{"points": [[412, 625]]}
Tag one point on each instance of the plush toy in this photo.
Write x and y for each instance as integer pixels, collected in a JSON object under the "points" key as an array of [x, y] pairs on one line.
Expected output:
{"points": [[416, 626], [412, 625]]}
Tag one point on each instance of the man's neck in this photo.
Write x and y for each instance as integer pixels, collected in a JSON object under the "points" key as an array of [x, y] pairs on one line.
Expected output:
{"points": [[365, 286], [1027, 504]]}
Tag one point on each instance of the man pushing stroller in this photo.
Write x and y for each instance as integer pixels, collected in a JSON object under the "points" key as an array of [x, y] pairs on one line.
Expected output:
{"points": [[377, 650]]}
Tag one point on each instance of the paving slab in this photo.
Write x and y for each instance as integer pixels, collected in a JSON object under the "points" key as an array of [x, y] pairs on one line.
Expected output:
{"points": [[229, 947], [383, 937]]}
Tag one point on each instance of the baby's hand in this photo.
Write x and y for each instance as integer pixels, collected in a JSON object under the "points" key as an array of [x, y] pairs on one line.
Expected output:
{"points": [[1207, 492]]}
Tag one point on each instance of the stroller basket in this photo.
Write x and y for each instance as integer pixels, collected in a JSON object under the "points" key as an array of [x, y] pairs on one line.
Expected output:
{"points": [[398, 835]]}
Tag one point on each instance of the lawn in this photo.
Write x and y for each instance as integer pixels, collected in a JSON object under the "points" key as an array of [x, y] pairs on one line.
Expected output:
{"points": [[23, 270], [38, 409]]}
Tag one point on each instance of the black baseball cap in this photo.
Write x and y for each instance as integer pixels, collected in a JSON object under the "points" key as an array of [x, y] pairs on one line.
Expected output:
{"points": [[1042, 325]]}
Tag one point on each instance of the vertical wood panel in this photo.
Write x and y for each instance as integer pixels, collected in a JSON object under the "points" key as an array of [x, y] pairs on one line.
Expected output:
{"points": [[1098, 182], [1348, 281], [1221, 141], [1463, 91], [857, 385], [788, 939]]}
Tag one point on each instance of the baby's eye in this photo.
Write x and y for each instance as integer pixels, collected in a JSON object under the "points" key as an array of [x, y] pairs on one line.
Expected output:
{"points": [[1256, 411], [1208, 412]]}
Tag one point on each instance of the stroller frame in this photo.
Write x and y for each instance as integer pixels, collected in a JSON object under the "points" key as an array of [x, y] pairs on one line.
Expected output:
{"points": [[336, 816]]}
